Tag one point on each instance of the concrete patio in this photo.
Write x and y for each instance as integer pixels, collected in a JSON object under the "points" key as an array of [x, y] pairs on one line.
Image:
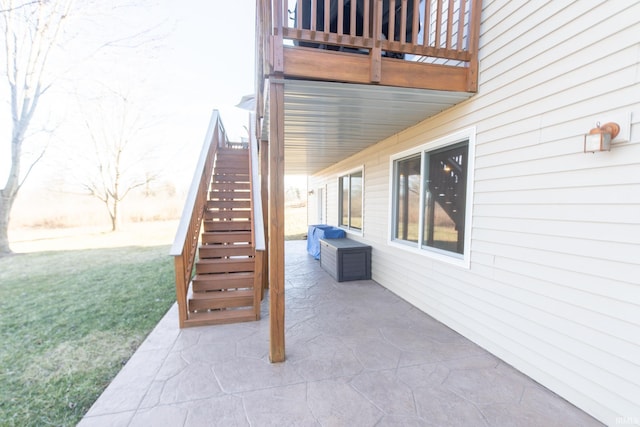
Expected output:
{"points": [[357, 355]]}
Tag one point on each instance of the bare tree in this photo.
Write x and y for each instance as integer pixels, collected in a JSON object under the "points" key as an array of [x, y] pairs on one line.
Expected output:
{"points": [[116, 166], [31, 30], [36, 33]]}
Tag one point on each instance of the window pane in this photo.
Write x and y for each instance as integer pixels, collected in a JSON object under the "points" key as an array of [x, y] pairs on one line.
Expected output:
{"points": [[445, 199], [344, 200], [407, 181], [356, 201]]}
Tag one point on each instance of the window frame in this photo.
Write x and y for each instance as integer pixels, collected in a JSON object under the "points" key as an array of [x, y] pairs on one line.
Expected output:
{"points": [[462, 260], [348, 228]]}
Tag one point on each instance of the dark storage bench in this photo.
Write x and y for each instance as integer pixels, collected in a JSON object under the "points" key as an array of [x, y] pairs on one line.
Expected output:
{"points": [[345, 259]]}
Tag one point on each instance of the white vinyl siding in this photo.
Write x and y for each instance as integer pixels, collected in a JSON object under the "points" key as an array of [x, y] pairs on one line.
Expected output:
{"points": [[553, 286]]}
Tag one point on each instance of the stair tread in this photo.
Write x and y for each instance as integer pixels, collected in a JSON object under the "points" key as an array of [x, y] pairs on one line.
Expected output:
{"points": [[228, 221], [224, 265], [220, 281], [236, 221], [226, 204], [224, 251], [225, 260], [224, 276], [238, 246], [220, 300], [227, 226], [226, 193], [220, 317], [222, 295], [233, 245], [222, 214], [227, 233], [209, 237], [213, 277]]}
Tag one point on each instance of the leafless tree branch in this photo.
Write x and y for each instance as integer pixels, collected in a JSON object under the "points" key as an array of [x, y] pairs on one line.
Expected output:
{"points": [[12, 9]]}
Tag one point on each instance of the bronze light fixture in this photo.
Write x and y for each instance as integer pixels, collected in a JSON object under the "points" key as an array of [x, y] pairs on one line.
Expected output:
{"points": [[599, 138]]}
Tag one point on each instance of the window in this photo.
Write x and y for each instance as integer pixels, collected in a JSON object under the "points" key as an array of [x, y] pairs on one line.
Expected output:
{"points": [[430, 197], [445, 198], [350, 188], [407, 205]]}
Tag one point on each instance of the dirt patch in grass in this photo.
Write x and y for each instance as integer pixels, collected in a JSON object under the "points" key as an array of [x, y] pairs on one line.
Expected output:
{"points": [[85, 355]]}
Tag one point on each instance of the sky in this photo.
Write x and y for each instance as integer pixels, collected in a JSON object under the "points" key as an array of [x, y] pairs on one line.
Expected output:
{"points": [[180, 61]]}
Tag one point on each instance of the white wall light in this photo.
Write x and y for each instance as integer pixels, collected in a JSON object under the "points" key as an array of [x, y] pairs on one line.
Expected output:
{"points": [[599, 138]]}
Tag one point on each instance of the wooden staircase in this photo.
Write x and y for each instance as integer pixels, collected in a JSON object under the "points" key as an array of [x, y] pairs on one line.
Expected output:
{"points": [[222, 290]]}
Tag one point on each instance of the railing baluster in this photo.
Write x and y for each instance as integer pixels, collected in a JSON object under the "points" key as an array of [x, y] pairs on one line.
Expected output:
{"points": [[450, 25], [327, 17], [416, 22], [299, 13], [427, 23], [366, 22], [438, 24], [285, 13], [392, 20], [340, 27], [352, 29], [461, 16], [403, 22]]}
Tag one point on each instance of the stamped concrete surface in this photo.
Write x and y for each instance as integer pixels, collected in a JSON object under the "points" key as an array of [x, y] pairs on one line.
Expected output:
{"points": [[356, 355]]}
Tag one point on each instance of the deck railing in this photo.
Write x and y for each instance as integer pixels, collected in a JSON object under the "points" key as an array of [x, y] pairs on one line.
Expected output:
{"points": [[257, 229], [433, 31], [185, 244]]}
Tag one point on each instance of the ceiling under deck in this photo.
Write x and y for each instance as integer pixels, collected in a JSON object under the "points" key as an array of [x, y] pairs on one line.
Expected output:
{"points": [[326, 122]]}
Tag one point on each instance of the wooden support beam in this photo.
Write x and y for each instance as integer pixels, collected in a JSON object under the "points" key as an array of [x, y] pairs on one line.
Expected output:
{"points": [[276, 220], [321, 64]]}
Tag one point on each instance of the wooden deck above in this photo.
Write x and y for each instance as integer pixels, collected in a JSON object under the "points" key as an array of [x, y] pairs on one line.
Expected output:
{"points": [[358, 71], [327, 65]]}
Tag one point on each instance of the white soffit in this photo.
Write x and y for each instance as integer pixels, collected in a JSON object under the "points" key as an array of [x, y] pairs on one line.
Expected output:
{"points": [[326, 122]]}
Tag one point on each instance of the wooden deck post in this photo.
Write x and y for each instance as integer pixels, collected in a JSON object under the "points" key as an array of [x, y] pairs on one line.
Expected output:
{"points": [[375, 56], [181, 294], [276, 220], [472, 77]]}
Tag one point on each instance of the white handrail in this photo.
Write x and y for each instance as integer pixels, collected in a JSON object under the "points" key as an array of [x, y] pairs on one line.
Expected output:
{"points": [[183, 227], [258, 219]]}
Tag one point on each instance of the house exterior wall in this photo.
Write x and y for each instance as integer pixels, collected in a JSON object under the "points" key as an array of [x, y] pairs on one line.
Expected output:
{"points": [[553, 285]]}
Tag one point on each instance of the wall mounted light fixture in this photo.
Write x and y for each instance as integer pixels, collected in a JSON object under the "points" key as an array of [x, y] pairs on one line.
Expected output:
{"points": [[599, 138]]}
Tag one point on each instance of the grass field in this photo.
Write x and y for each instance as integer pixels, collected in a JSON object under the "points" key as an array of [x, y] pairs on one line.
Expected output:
{"points": [[70, 318], [75, 303]]}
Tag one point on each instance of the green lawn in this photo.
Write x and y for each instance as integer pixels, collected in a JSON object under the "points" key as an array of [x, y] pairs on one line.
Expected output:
{"points": [[69, 320]]}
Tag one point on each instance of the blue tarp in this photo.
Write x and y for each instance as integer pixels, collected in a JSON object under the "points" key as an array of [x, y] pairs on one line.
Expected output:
{"points": [[321, 231]]}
